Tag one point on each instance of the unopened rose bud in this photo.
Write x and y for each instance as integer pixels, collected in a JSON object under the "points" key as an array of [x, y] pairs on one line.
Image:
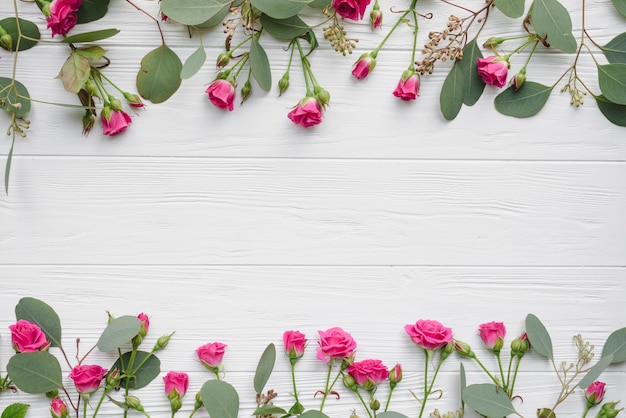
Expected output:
{"points": [[88, 121], [446, 351], [493, 42], [283, 83], [608, 410], [199, 404], [113, 379], [7, 41], [595, 393], [223, 59], [135, 101], [349, 382], [519, 79], [374, 405], [463, 349], [162, 342], [519, 346], [498, 345], [133, 402], [52, 394], [246, 90], [395, 375], [322, 95], [176, 403], [545, 413], [115, 103]]}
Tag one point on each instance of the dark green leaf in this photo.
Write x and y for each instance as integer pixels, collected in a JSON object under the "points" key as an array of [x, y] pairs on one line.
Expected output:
{"points": [[615, 113], [280, 9], [595, 371], [317, 414], [148, 371], [16, 99], [159, 75], [75, 72], [193, 12], [27, 28], [216, 19], [91, 10], [525, 102], [264, 368], [612, 80], [15, 410], [511, 8], [553, 21], [538, 336], [620, 5], [41, 314], [296, 409], [474, 85], [463, 378], [615, 50], [220, 399], [391, 414], [451, 96], [285, 29], [38, 372], [487, 400], [118, 332], [268, 410], [260, 65], [616, 343], [97, 35], [194, 63]]}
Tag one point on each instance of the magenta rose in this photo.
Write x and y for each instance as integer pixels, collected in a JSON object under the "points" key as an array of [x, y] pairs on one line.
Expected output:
{"points": [[62, 16], [176, 381], [116, 122], [429, 334], [492, 334], [222, 94], [335, 343], [351, 9], [294, 342], [368, 373], [493, 70], [364, 66], [595, 392], [307, 113], [211, 354], [27, 337], [395, 375], [87, 378], [408, 87], [58, 408]]}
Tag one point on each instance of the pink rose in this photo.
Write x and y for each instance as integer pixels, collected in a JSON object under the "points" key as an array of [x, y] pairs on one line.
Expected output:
{"points": [[364, 66], [429, 334], [145, 324], [493, 70], [307, 113], [335, 343], [408, 87], [595, 392], [116, 123], [62, 16], [492, 334], [351, 9], [87, 378], [27, 337], [58, 409], [368, 373], [395, 375], [222, 94], [176, 381], [211, 354], [294, 342]]}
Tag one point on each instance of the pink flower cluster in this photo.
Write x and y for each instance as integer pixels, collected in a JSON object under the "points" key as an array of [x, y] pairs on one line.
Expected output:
{"points": [[351, 9], [62, 16]]}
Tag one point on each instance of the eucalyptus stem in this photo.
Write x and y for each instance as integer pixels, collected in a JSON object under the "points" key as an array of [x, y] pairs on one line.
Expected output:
{"points": [[95, 412]]}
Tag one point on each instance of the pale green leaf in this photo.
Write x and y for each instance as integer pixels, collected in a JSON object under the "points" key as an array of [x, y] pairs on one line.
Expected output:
{"points": [[220, 399], [193, 12], [15, 99], [75, 72], [264, 368], [311, 413], [216, 19], [159, 75], [616, 343], [260, 65], [474, 85], [118, 332], [269, 410], [615, 50], [15, 410], [538, 336], [149, 370], [94, 36], [552, 20], [452, 91], [92, 52], [28, 29], [194, 63], [525, 102], [280, 9], [37, 372], [7, 167], [487, 400], [91, 10], [612, 80], [41, 314], [620, 6], [595, 372], [511, 8], [286, 29], [389, 414]]}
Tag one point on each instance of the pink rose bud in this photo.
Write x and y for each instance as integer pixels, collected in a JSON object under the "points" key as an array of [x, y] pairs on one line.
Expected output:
{"points": [[493, 70], [492, 334], [335, 343], [58, 409], [519, 79], [595, 392], [463, 349], [376, 16], [307, 112], [133, 100], [395, 375], [222, 94], [408, 86], [222, 59], [87, 377], [429, 334], [145, 324], [211, 355], [283, 83], [27, 337], [364, 66], [114, 121], [294, 342], [351, 9], [368, 373], [176, 385]]}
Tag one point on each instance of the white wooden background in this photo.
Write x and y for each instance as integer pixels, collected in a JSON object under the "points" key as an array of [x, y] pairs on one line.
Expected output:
{"points": [[236, 226]]}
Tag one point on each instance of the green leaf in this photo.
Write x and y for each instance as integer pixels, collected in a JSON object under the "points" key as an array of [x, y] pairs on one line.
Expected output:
{"points": [[97, 35], [391, 414], [220, 399], [148, 371], [538, 336], [260, 65], [487, 400], [91, 10], [615, 50], [285, 29], [194, 63], [268, 410], [216, 19], [620, 5], [75, 72], [616, 343], [118, 332], [38, 372], [615, 113], [27, 28], [193, 12], [319, 4], [595, 371], [552, 20], [91, 52], [452, 91], [612, 80], [525, 102], [159, 75], [474, 85], [16, 99], [511, 8], [280, 9], [15, 410], [41, 314], [317, 414], [296, 409], [264, 368], [7, 167]]}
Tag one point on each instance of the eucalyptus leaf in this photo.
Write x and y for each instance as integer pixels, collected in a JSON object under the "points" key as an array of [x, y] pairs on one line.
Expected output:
{"points": [[311, 413], [216, 19], [620, 6], [75, 72], [285, 29], [260, 65], [26, 27], [552, 20], [41, 314], [474, 85], [148, 371], [194, 63], [264, 368], [487, 400], [7, 167], [296, 409], [193, 12], [320, 4], [462, 378], [220, 399], [595, 372], [538, 336], [91, 10], [612, 80], [511, 8], [94, 36], [280, 9], [452, 91], [15, 410], [615, 345], [16, 100], [391, 414], [159, 75], [269, 410], [615, 50], [527, 101], [118, 332], [37, 372]]}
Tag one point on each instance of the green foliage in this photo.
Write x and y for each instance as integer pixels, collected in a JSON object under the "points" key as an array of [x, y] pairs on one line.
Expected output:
{"points": [[387, 414], [474, 85], [615, 345], [194, 63], [525, 102], [28, 29], [12, 96], [216, 19], [159, 75], [317, 414], [264, 368], [38, 372], [118, 332], [511, 8], [452, 92], [75, 72], [193, 12], [280, 9], [285, 29], [260, 65], [620, 5], [91, 52], [319, 4], [615, 50], [91, 10], [269, 410], [488, 400], [612, 80], [595, 372], [94, 36], [15, 410], [220, 399], [149, 370], [538, 336], [552, 20], [615, 113], [41, 314]]}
